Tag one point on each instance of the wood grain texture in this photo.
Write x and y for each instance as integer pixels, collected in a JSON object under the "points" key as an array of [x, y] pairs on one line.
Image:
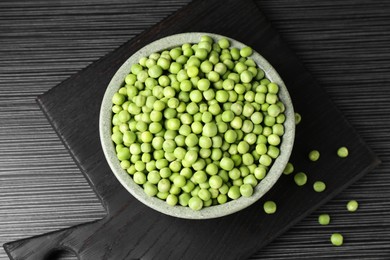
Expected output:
{"points": [[41, 44], [58, 38], [122, 234]]}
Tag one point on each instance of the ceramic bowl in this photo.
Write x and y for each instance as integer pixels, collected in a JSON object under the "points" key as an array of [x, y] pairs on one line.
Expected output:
{"points": [[179, 211]]}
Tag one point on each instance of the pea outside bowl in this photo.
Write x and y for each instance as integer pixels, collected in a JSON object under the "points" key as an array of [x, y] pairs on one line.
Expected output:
{"points": [[179, 211]]}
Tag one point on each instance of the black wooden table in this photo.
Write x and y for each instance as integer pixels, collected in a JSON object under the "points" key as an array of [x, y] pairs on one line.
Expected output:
{"points": [[344, 44]]}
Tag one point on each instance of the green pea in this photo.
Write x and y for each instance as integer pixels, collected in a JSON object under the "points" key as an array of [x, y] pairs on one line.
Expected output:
{"points": [[246, 51], [274, 110], [206, 66], [139, 178], [342, 152], [289, 168], [117, 137], [260, 172], [125, 164], [150, 189], [247, 126], [191, 140], [175, 53], [220, 68], [314, 155], [139, 166], [269, 121], [214, 193], [222, 96], [204, 194], [236, 123], [154, 177], [228, 84], [131, 170], [173, 124], [116, 109], [230, 136], [179, 181], [161, 163], [273, 139], [158, 154], [195, 203], [209, 95], [257, 118], [246, 190], [224, 188], [261, 139], [204, 185], [207, 117], [189, 187], [269, 207], [200, 177], [222, 198], [203, 84], [164, 185], [196, 96], [141, 126], [201, 53], [280, 119], [123, 154], [298, 118], [224, 43], [118, 99], [249, 96], [212, 169], [236, 108], [243, 147], [248, 178], [247, 159], [246, 76], [172, 200], [300, 178], [352, 206], [215, 182], [239, 88], [278, 129], [155, 71], [240, 67], [184, 198], [162, 195], [324, 219], [234, 174], [319, 186], [227, 164], [130, 79], [216, 154], [260, 98], [336, 239], [205, 153], [210, 129], [192, 71], [234, 192], [205, 142], [123, 116], [265, 160]]}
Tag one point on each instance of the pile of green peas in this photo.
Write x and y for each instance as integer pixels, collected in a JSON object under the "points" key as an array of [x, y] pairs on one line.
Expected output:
{"points": [[199, 124]]}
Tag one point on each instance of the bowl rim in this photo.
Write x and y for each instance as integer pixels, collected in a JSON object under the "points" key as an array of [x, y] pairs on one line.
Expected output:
{"points": [[105, 131]]}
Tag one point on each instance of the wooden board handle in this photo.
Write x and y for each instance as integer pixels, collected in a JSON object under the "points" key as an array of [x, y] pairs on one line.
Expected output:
{"points": [[73, 239]]}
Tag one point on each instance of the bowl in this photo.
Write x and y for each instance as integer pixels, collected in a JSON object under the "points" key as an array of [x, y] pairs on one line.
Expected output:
{"points": [[157, 204]]}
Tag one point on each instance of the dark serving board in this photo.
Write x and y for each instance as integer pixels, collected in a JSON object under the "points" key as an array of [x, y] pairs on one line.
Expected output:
{"points": [[133, 231]]}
